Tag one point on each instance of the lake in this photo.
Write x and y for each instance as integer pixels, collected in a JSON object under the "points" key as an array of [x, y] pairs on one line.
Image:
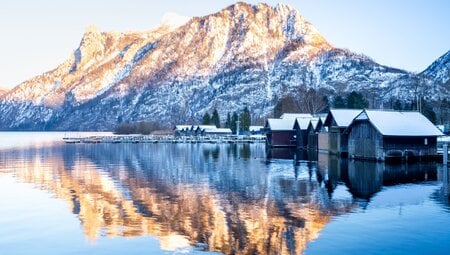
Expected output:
{"points": [[61, 198]]}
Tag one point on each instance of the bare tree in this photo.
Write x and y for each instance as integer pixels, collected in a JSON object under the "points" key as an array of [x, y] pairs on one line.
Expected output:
{"points": [[310, 100]]}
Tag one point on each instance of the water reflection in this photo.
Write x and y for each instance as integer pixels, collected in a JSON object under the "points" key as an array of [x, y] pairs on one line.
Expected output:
{"points": [[292, 153], [225, 198], [366, 178], [222, 198]]}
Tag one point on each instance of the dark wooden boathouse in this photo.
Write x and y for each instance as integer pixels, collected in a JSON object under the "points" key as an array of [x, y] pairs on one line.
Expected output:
{"points": [[332, 138], [389, 135], [280, 132], [301, 132], [314, 127]]}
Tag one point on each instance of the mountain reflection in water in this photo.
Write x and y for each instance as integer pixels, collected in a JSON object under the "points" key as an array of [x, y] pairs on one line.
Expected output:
{"points": [[226, 198]]}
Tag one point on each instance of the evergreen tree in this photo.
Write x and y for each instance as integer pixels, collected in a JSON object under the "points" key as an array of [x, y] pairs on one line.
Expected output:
{"points": [[427, 111], [234, 118], [339, 102], [245, 119], [444, 111], [397, 105], [356, 100], [228, 121], [215, 119], [206, 119]]}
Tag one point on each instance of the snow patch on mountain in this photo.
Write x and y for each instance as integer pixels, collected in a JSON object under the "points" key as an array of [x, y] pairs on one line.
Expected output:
{"points": [[439, 71]]}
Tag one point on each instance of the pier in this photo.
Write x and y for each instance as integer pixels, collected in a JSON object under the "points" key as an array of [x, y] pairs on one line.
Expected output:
{"points": [[164, 139], [445, 153]]}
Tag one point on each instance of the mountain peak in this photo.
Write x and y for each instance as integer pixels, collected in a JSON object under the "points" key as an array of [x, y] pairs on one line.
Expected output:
{"points": [[285, 7], [173, 20], [92, 29], [91, 34]]}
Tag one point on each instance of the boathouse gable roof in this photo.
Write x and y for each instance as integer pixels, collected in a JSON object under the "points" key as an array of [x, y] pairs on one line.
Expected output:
{"points": [[315, 125], [341, 117], [302, 123], [280, 124], [395, 123]]}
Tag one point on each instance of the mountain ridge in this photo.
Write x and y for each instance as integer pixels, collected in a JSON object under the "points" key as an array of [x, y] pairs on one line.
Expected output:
{"points": [[243, 55]]}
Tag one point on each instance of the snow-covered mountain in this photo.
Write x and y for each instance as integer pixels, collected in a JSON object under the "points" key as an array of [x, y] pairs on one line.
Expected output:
{"points": [[439, 72], [245, 54]]}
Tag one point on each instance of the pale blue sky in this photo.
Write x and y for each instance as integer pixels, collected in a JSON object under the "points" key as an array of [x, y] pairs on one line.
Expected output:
{"points": [[38, 35]]}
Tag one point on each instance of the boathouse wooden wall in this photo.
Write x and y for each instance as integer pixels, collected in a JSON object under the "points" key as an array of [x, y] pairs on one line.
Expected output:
{"points": [[280, 138], [335, 141], [312, 140], [323, 143], [301, 137], [364, 141]]}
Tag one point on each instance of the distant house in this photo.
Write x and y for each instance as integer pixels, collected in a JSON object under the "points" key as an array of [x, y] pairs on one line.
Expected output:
{"points": [[280, 132], [384, 135], [182, 130], [218, 132], [332, 138], [300, 129], [202, 129], [256, 130]]}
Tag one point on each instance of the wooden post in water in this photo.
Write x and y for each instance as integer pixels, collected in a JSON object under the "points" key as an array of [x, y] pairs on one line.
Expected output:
{"points": [[445, 180], [445, 153]]}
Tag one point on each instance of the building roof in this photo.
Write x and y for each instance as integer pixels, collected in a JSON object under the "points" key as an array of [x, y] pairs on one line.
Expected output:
{"points": [[255, 128], [219, 131], [303, 123], [342, 117], [280, 124], [205, 127], [394, 123], [295, 115], [314, 122]]}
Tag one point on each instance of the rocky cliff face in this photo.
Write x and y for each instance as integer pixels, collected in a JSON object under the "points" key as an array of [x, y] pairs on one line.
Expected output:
{"points": [[243, 55]]}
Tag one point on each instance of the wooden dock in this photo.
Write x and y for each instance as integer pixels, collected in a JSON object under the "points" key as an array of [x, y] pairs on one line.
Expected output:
{"points": [[163, 139]]}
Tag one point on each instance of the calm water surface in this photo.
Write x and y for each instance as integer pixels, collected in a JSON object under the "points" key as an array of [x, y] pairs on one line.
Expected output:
{"points": [[206, 198]]}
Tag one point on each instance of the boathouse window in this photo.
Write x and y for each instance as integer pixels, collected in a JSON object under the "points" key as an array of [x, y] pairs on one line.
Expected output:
{"points": [[425, 141]]}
